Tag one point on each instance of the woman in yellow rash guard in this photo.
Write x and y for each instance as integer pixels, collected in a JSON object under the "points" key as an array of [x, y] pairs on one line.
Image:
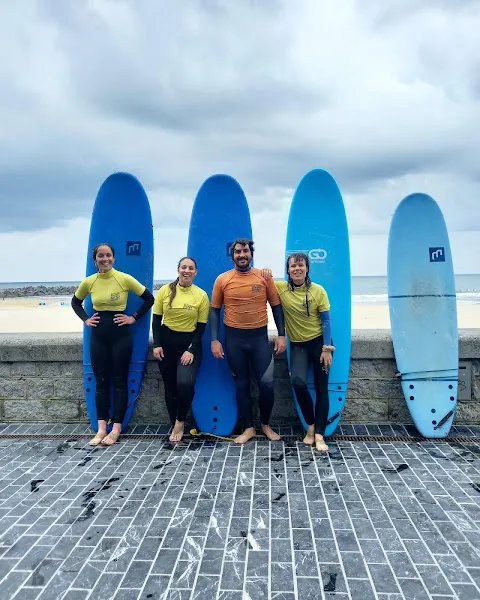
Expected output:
{"points": [[307, 320], [111, 340], [177, 341]]}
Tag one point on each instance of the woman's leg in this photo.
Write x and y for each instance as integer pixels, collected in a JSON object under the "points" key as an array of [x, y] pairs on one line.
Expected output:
{"points": [[101, 365], [299, 357], [321, 391]]}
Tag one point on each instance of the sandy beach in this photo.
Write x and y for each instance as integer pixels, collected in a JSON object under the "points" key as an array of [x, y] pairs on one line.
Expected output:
{"points": [[23, 315]]}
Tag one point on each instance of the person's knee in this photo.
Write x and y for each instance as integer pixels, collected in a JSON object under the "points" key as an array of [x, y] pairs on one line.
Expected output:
{"points": [[119, 382], [299, 384]]}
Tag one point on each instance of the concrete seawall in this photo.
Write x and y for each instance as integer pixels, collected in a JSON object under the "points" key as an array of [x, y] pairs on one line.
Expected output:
{"points": [[41, 381]]}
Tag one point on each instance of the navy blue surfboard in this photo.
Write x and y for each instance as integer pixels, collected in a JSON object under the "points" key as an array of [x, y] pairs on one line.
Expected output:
{"points": [[220, 215], [121, 217], [423, 313], [317, 225]]}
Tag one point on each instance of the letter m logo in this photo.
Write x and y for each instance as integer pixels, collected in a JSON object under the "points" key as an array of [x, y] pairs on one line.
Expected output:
{"points": [[134, 248], [437, 254]]}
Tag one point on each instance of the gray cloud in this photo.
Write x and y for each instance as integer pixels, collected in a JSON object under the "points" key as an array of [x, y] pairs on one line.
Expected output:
{"points": [[381, 95]]}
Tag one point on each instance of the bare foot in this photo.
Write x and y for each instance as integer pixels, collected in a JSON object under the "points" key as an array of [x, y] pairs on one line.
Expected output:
{"points": [[97, 439], [177, 432], [113, 436], [310, 437], [248, 434], [320, 443], [271, 435]]}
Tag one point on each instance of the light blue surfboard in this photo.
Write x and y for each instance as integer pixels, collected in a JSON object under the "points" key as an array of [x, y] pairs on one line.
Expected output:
{"points": [[317, 225], [121, 217], [220, 215], [423, 313]]}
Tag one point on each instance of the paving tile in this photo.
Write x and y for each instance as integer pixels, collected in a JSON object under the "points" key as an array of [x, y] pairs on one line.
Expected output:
{"points": [[208, 519]]}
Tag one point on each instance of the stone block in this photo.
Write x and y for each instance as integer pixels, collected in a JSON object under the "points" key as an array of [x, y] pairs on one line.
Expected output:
{"points": [[13, 388], [475, 367], [159, 411], [142, 412], [68, 388], [151, 368], [62, 410], [71, 369], [38, 389], [359, 388], [398, 411], [22, 410], [28, 347], [24, 369], [476, 387], [149, 387], [467, 413], [372, 369], [5, 369], [387, 388], [365, 410], [49, 369]]}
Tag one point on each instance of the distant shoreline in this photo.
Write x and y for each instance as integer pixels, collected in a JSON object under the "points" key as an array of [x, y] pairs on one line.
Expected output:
{"points": [[34, 291]]}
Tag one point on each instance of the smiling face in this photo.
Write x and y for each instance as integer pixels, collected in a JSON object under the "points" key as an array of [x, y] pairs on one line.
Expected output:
{"points": [[104, 258], [186, 272], [297, 270], [242, 256]]}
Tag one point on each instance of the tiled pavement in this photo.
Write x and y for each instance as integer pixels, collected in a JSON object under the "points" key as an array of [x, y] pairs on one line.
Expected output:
{"points": [[211, 520]]}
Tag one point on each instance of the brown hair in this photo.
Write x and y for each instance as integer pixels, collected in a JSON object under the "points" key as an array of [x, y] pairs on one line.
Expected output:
{"points": [[298, 256], [173, 285], [97, 246], [242, 242]]}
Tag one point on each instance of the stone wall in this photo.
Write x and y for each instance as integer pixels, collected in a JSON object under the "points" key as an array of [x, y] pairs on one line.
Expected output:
{"points": [[41, 380]]}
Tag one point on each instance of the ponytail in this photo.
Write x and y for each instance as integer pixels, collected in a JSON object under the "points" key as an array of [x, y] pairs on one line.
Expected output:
{"points": [[173, 290]]}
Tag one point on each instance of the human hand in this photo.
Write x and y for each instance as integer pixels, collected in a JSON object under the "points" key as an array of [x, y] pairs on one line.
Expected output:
{"points": [[326, 359], [121, 319], [217, 349], [158, 353], [280, 344], [93, 320], [267, 273], [187, 358]]}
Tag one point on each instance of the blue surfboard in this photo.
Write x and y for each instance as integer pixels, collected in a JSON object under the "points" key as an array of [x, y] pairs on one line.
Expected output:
{"points": [[121, 217], [220, 214], [423, 313], [317, 225]]}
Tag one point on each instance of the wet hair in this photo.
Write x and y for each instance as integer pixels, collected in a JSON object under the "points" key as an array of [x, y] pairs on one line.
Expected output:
{"points": [[241, 242], [173, 285], [97, 246], [297, 257]]}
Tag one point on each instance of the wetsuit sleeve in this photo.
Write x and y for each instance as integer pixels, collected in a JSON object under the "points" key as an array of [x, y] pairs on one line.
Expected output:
{"points": [[217, 293], [272, 294], [214, 323], [197, 337], [148, 301], [78, 308], [326, 327], [157, 330], [277, 312]]}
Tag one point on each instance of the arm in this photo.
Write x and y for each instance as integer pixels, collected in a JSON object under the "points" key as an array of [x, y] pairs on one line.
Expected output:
{"points": [[197, 337], [78, 308], [148, 301], [157, 330], [277, 312], [214, 323], [326, 327]]}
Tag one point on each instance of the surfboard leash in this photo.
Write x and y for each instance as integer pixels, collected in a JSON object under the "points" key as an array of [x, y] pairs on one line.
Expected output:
{"points": [[195, 433]]}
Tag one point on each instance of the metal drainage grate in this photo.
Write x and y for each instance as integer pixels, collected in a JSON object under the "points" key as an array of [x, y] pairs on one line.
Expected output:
{"points": [[286, 438]]}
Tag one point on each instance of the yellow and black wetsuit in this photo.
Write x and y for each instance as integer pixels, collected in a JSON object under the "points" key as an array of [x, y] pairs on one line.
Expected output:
{"points": [[185, 314], [110, 344], [307, 321]]}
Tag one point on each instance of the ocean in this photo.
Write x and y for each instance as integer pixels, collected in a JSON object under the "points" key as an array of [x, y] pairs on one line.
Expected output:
{"points": [[365, 289]]}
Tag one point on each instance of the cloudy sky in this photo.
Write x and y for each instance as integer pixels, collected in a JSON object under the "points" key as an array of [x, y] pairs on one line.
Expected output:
{"points": [[383, 94]]}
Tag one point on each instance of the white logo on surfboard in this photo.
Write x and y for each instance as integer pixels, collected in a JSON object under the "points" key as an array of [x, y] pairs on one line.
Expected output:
{"points": [[315, 255]]}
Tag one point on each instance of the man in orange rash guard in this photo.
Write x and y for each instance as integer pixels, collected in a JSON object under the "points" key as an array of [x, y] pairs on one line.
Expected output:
{"points": [[244, 294]]}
